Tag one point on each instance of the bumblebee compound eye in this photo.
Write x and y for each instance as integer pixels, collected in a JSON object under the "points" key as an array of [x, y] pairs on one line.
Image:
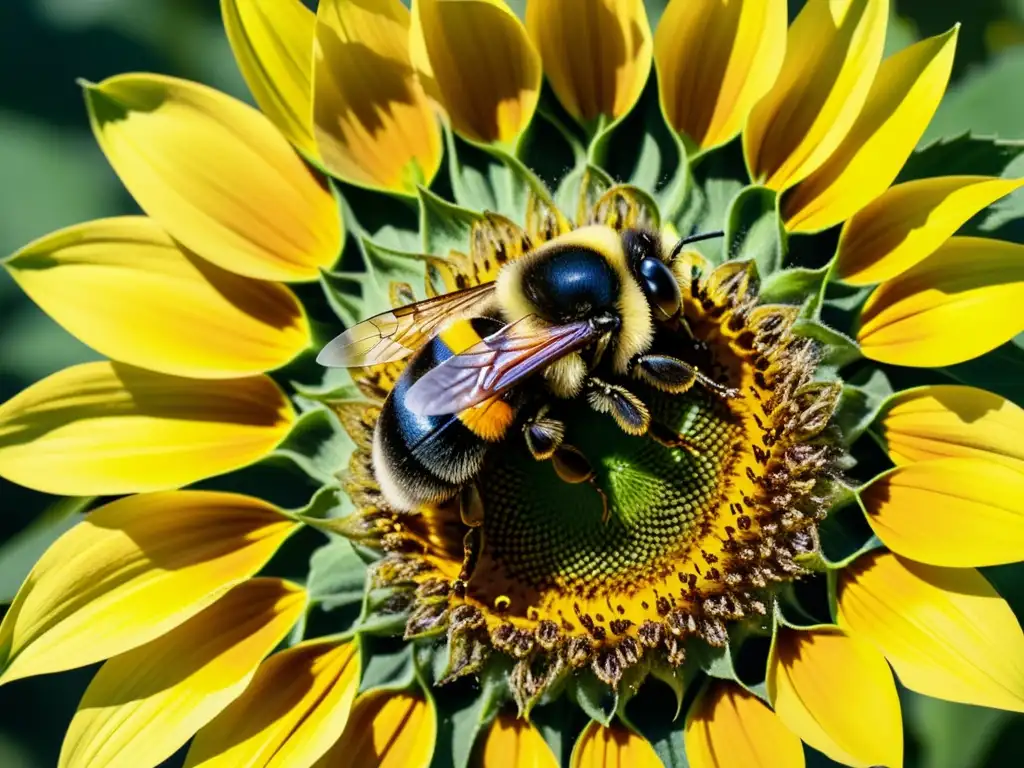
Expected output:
{"points": [[661, 288]]}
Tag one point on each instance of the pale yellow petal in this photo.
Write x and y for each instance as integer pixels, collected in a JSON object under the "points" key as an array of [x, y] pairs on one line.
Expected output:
{"points": [[597, 53], [386, 729], [837, 694], [373, 123], [143, 705], [946, 631], [715, 60], [289, 716], [906, 223], [481, 65], [832, 54], [130, 572], [952, 512], [273, 44], [101, 429], [961, 302], [514, 742], [217, 175], [950, 421], [612, 747], [731, 728], [126, 289], [902, 100]]}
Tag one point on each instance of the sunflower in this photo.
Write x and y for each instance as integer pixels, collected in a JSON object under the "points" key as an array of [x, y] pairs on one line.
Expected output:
{"points": [[765, 562]]}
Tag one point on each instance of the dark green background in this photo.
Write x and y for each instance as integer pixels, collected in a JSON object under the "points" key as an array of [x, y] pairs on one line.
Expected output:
{"points": [[52, 174]]}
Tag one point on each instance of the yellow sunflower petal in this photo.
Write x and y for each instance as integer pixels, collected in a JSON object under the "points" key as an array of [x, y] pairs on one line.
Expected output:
{"points": [[386, 729], [731, 728], [373, 123], [837, 694], [217, 175], [597, 53], [290, 714], [951, 421], [143, 705], [946, 631], [961, 302], [273, 44], [514, 742], [952, 512], [480, 63], [832, 53], [126, 289], [906, 223], [614, 747], [130, 572], [902, 100], [100, 429], [715, 61]]}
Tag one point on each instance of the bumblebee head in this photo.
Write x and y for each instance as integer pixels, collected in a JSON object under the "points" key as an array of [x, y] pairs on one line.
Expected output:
{"points": [[646, 259]]}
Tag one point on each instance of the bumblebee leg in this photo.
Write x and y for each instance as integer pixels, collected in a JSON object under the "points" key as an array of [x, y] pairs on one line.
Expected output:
{"points": [[572, 467], [543, 434], [472, 545], [670, 374], [622, 405]]}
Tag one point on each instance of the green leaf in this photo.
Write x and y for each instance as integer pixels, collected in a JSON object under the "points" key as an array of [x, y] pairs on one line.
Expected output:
{"points": [[482, 182], [983, 100], [845, 534], [337, 576], [754, 231], [583, 186], [953, 735], [20, 552], [345, 292], [642, 150], [317, 445], [389, 220], [387, 664], [963, 155], [862, 398], [460, 726], [715, 178], [839, 349], [328, 503], [444, 227], [595, 698], [388, 266], [652, 714], [550, 147], [792, 286]]}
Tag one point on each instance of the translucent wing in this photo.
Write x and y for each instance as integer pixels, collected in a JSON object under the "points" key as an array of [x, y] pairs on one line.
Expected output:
{"points": [[491, 366], [394, 335]]}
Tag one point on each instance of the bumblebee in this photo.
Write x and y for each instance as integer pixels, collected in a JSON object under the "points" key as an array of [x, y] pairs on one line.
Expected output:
{"points": [[572, 313]]}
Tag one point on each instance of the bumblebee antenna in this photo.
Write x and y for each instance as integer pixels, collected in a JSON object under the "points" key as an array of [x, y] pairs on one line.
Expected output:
{"points": [[694, 239]]}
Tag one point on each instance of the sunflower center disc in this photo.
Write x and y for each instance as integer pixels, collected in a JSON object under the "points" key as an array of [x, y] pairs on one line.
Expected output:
{"points": [[545, 535]]}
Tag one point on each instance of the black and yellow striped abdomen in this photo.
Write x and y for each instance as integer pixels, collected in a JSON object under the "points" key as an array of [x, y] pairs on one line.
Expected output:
{"points": [[421, 459]]}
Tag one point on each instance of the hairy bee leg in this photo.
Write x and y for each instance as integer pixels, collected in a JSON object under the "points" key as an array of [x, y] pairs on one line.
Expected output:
{"points": [[622, 405], [472, 545], [670, 374], [543, 434], [572, 467]]}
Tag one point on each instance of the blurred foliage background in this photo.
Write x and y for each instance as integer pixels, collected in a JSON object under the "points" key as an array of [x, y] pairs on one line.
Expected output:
{"points": [[52, 174]]}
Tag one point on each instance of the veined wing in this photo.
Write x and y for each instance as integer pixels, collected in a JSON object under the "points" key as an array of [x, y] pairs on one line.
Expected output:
{"points": [[394, 335], [492, 366]]}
